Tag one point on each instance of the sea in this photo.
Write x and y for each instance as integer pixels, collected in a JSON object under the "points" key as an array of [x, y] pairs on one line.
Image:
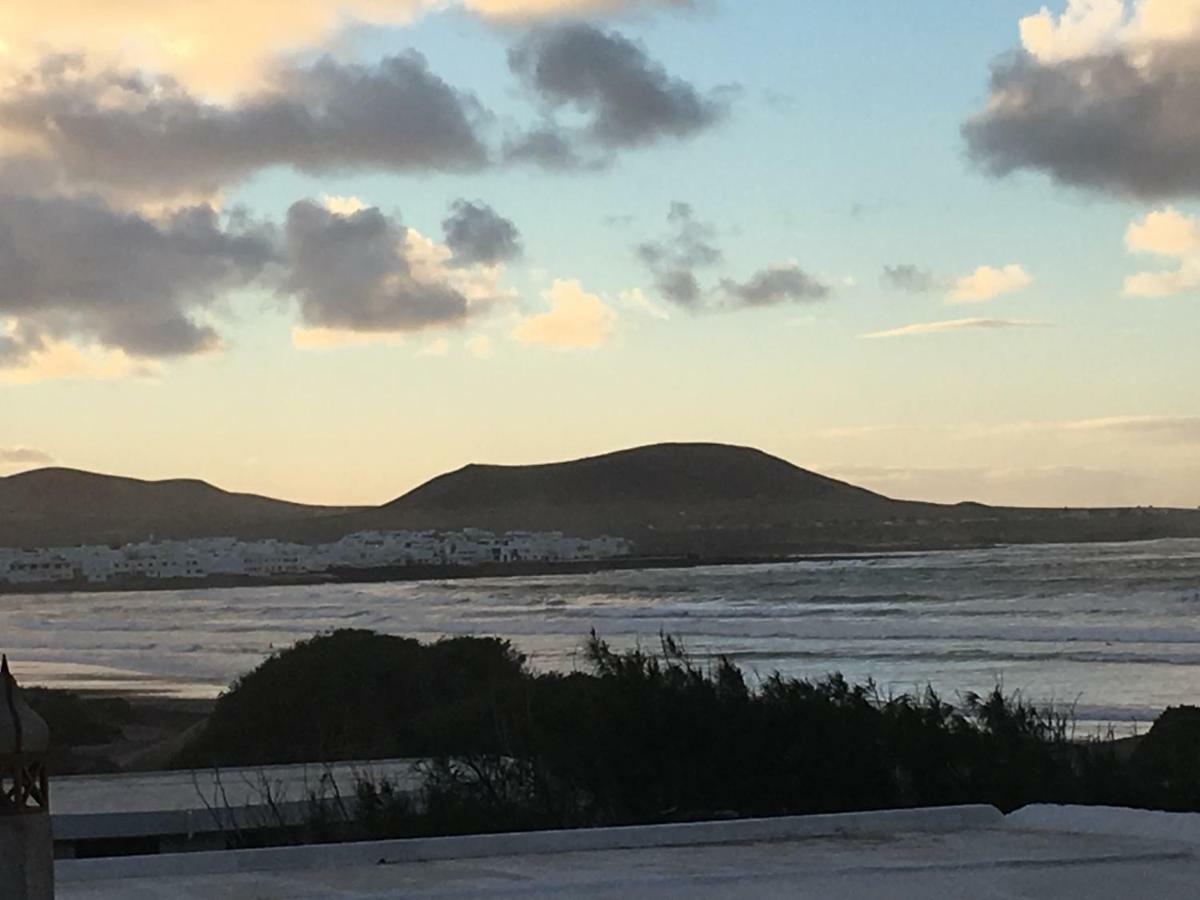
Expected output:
{"points": [[1107, 633]]}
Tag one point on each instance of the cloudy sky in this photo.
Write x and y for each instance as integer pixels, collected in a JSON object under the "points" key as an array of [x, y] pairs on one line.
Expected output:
{"points": [[327, 250]]}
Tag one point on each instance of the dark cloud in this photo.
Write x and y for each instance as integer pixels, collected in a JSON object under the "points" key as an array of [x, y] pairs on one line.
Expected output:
{"points": [[353, 272], [779, 284], [676, 262], [915, 280], [547, 147], [631, 100], [1105, 122], [76, 268], [478, 235], [19, 456], [149, 136], [675, 259]]}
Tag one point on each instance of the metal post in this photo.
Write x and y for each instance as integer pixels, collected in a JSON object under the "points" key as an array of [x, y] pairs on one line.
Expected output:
{"points": [[26, 840]]}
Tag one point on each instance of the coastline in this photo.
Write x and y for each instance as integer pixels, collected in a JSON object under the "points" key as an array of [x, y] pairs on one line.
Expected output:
{"points": [[382, 574], [832, 552]]}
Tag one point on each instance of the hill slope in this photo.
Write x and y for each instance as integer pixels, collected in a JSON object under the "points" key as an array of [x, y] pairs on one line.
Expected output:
{"points": [[661, 487], [61, 507]]}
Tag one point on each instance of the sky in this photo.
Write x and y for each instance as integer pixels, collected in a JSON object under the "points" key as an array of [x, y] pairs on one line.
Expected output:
{"points": [[326, 251]]}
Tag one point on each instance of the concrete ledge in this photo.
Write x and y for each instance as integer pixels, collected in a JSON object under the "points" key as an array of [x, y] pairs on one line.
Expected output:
{"points": [[1181, 828], [92, 826], [330, 856]]}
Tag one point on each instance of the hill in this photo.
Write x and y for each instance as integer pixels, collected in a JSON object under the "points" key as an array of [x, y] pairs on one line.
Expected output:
{"points": [[707, 500], [660, 488], [62, 507]]}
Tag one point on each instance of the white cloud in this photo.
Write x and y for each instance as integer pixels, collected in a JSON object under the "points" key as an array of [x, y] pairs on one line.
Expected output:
{"points": [[431, 263], [1089, 27], [955, 325], [1166, 232], [1170, 233], [1086, 27], [65, 361], [532, 9], [222, 47], [576, 320], [987, 282], [1169, 429], [342, 338], [637, 301], [480, 346], [343, 206], [436, 347]]}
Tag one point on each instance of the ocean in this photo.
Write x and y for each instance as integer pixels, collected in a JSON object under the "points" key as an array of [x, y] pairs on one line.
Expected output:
{"points": [[1111, 631]]}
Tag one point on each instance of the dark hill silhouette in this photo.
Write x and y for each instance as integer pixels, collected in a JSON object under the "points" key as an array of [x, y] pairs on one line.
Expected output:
{"points": [[660, 487], [708, 500], [62, 507]]}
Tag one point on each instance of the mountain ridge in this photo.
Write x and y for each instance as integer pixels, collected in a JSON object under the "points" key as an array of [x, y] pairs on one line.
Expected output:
{"points": [[696, 499], [652, 486]]}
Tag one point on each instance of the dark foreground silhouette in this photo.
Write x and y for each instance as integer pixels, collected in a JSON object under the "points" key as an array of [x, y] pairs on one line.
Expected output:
{"points": [[644, 737]]}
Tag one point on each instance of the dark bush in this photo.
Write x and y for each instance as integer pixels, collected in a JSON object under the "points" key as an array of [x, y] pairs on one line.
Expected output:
{"points": [[77, 721], [1168, 759], [357, 695], [652, 736]]}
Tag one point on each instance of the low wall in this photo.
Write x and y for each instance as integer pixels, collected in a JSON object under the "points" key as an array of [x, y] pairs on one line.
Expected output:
{"points": [[330, 856]]}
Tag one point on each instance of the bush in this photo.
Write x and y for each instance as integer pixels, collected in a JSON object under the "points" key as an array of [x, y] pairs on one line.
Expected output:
{"points": [[75, 721], [357, 695], [651, 737]]}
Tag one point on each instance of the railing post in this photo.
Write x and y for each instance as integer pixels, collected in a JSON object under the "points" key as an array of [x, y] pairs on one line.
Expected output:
{"points": [[26, 840]]}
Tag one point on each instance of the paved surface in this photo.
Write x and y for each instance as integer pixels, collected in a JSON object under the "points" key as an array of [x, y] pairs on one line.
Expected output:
{"points": [[995, 863]]}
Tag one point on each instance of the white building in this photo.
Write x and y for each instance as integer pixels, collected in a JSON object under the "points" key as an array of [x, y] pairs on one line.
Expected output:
{"points": [[206, 557]]}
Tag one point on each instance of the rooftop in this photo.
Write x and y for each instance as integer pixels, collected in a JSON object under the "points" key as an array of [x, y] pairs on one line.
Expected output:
{"points": [[1059, 852]]}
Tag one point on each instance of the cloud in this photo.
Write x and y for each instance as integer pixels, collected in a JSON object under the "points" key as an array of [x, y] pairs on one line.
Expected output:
{"points": [[534, 9], [779, 284], [75, 269], [986, 283], [576, 320], [342, 338], [436, 347], [637, 301], [21, 456], [675, 259], [146, 136], [55, 360], [1167, 233], [228, 46], [1085, 28], [353, 273], [1089, 27], [480, 346], [1104, 97], [478, 235], [343, 206], [676, 262], [548, 147], [1039, 486], [910, 278], [1164, 429], [955, 325], [629, 100], [1174, 429]]}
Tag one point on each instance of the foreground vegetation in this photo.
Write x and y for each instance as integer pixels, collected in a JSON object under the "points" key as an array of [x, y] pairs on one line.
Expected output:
{"points": [[651, 737]]}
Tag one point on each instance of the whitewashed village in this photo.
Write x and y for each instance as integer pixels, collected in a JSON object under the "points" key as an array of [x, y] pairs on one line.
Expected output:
{"points": [[229, 557]]}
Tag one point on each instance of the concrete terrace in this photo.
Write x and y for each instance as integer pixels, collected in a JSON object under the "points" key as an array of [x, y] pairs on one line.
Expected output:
{"points": [[961, 852]]}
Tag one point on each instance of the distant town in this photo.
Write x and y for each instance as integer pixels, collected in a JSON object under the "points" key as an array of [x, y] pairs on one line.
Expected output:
{"points": [[226, 557]]}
